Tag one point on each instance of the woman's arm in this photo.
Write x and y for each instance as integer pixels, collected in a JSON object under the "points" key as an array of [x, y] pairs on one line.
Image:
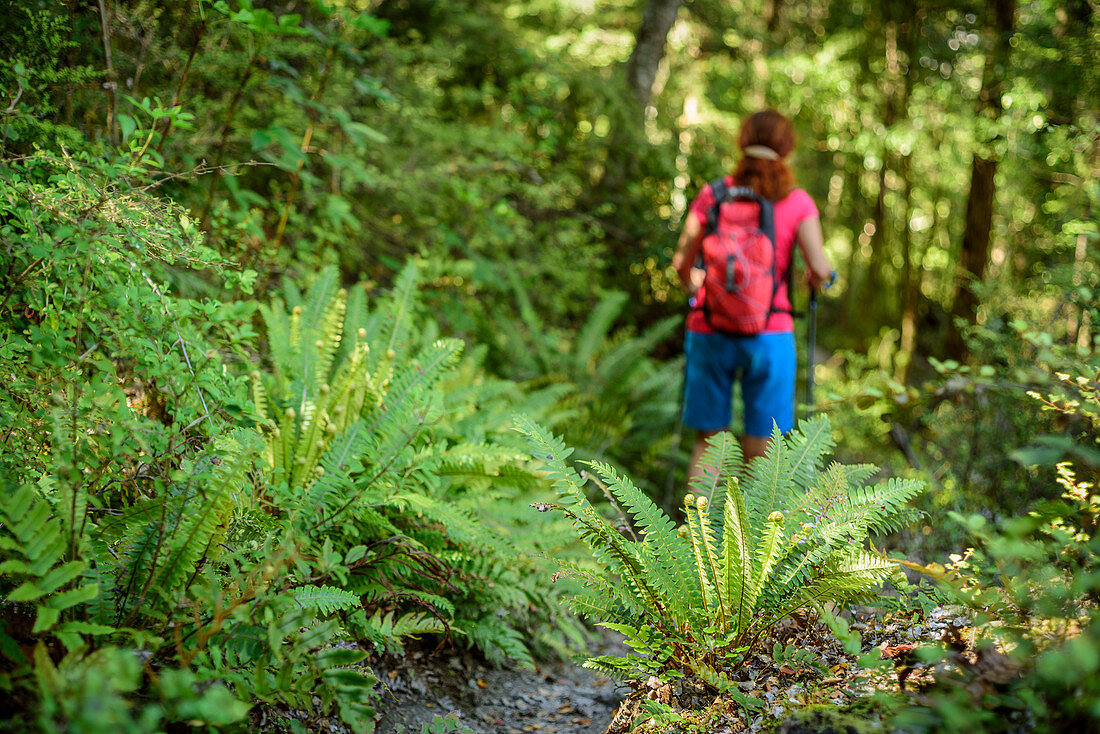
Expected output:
{"points": [[687, 250], [812, 244]]}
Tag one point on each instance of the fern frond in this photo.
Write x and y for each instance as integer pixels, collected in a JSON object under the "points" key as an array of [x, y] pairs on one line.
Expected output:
{"points": [[498, 641], [394, 421], [277, 322], [613, 667], [207, 520], [721, 459], [664, 552], [847, 578], [695, 533], [596, 329], [767, 553], [329, 331], [877, 508], [259, 397], [317, 302], [385, 630], [809, 442], [769, 486], [619, 365], [710, 553], [411, 624], [396, 327], [736, 563], [325, 599], [462, 528], [600, 608], [780, 478], [551, 452]]}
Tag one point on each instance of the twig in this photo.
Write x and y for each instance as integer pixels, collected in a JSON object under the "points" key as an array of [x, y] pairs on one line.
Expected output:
{"points": [[200, 170], [11, 107]]}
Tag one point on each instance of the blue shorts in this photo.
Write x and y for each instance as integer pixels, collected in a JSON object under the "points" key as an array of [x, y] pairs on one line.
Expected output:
{"points": [[764, 364]]}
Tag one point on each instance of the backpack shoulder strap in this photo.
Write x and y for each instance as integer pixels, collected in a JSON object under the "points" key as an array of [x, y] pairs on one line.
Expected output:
{"points": [[719, 189]]}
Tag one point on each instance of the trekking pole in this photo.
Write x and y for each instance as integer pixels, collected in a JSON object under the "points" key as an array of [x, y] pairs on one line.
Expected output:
{"points": [[812, 339]]}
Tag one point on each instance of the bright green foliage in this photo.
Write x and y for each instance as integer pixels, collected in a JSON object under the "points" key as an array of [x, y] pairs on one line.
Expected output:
{"points": [[35, 570], [161, 543], [618, 404], [789, 537], [1031, 584], [325, 599], [385, 483], [139, 591]]}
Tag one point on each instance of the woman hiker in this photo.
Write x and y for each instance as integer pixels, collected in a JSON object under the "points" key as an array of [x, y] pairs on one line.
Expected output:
{"points": [[724, 341]]}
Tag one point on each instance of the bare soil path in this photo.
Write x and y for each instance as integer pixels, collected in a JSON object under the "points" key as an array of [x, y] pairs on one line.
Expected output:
{"points": [[557, 698]]}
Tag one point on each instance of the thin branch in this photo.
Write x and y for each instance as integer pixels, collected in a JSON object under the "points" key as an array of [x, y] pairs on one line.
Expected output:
{"points": [[11, 107], [201, 170]]}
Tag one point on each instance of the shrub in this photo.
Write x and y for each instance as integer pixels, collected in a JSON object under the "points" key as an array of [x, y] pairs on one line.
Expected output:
{"points": [[1032, 584]]}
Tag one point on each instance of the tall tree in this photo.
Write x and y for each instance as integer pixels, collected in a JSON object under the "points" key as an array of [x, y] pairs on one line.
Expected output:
{"points": [[649, 46], [979, 205], [911, 276]]}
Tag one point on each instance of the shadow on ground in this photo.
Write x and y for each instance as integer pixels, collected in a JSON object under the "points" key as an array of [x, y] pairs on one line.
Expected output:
{"points": [[558, 697]]}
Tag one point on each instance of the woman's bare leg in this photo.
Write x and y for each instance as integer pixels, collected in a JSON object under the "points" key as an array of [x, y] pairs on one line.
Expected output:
{"points": [[753, 446]]}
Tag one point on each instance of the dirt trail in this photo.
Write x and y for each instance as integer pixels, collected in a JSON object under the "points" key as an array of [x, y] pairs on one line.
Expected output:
{"points": [[557, 698]]}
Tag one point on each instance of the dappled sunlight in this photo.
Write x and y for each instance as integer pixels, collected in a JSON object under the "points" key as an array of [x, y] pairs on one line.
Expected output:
{"points": [[344, 383]]}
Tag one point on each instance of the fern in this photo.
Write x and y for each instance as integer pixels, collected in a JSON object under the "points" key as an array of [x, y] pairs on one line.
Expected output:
{"points": [[596, 329], [34, 569], [163, 542], [613, 667], [497, 640], [363, 450], [663, 555], [789, 537], [325, 599]]}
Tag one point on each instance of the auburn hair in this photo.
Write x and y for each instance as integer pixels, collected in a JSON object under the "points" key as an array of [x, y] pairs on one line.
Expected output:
{"points": [[771, 179]]}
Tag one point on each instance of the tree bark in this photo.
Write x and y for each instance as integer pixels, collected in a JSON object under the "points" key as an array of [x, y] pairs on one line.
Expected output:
{"points": [[880, 263], [979, 205], [774, 13], [649, 46], [911, 276]]}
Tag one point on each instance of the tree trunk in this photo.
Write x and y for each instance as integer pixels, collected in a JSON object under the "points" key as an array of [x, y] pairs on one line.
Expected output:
{"points": [[881, 258], [649, 46], [910, 281], [979, 205], [774, 13], [911, 276]]}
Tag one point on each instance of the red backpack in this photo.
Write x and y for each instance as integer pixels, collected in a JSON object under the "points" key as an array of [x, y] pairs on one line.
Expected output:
{"points": [[739, 256]]}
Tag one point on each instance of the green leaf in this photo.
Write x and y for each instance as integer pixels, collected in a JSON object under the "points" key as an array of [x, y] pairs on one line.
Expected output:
{"points": [[126, 124], [46, 619], [72, 598]]}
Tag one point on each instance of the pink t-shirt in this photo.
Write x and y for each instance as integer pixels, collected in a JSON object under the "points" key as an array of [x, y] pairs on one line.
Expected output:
{"points": [[790, 212]]}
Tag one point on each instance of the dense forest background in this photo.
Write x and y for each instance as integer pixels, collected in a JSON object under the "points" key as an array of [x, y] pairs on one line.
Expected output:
{"points": [[216, 213]]}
